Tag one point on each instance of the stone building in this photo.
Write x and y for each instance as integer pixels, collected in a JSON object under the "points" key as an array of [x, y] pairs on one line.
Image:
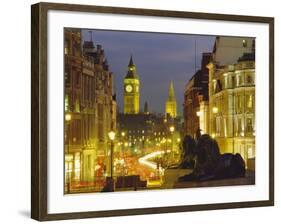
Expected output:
{"points": [[73, 92], [232, 105], [196, 91], [90, 108], [229, 113]]}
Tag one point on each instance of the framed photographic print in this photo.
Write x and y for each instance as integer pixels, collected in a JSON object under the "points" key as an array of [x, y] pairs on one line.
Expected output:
{"points": [[139, 111]]}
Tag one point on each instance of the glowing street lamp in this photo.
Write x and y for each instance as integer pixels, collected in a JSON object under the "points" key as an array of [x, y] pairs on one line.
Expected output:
{"points": [[172, 129], [68, 117], [111, 136], [215, 110], [122, 148]]}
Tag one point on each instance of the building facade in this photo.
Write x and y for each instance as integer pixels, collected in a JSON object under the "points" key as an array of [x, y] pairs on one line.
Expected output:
{"points": [[90, 109], [72, 102], [131, 85], [229, 114], [196, 91], [232, 105]]}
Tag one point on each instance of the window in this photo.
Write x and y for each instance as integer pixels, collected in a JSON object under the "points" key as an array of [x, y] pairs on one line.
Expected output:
{"points": [[239, 128], [249, 79], [66, 75], [239, 80], [77, 105], [66, 102], [238, 103], [77, 167], [244, 43], [66, 47], [225, 82], [249, 127], [215, 85], [249, 101]]}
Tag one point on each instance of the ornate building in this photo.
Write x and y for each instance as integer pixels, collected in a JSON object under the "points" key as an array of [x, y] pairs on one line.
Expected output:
{"points": [[171, 103], [72, 102], [131, 90], [232, 105], [229, 114], [90, 109]]}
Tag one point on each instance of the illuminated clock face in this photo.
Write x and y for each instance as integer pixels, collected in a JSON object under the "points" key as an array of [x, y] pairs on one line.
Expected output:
{"points": [[129, 88]]}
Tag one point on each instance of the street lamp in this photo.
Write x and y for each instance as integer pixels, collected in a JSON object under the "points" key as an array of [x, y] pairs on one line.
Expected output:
{"points": [[123, 144], [172, 129], [111, 136], [68, 119], [215, 110]]}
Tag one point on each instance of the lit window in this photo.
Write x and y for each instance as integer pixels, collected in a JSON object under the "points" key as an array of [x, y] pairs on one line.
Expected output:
{"points": [[225, 82], [250, 101], [214, 85], [66, 103], [249, 125], [244, 43], [77, 166]]}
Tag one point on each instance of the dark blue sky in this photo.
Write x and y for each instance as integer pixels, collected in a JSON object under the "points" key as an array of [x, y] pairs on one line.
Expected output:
{"points": [[159, 58]]}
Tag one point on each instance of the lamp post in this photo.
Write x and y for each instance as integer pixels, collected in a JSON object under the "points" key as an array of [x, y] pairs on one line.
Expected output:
{"points": [[172, 129], [123, 143], [68, 119], [111, 136]]}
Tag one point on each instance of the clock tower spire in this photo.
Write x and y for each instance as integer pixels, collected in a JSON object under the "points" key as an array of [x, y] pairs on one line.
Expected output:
{"points": [[131, 90]]}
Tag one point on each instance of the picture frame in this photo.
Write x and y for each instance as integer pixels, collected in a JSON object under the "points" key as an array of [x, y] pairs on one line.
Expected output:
{"points": [[40, 176]]}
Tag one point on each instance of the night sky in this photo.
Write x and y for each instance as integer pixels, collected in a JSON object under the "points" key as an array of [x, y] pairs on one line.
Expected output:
{"points": [[159, 58]]}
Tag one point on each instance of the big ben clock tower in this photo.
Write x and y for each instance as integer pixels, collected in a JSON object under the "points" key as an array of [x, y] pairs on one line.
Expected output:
{"points": [[131, 90]]}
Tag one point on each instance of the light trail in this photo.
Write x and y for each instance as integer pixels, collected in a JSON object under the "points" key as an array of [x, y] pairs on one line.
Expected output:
{"points": [[145, 160]]}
